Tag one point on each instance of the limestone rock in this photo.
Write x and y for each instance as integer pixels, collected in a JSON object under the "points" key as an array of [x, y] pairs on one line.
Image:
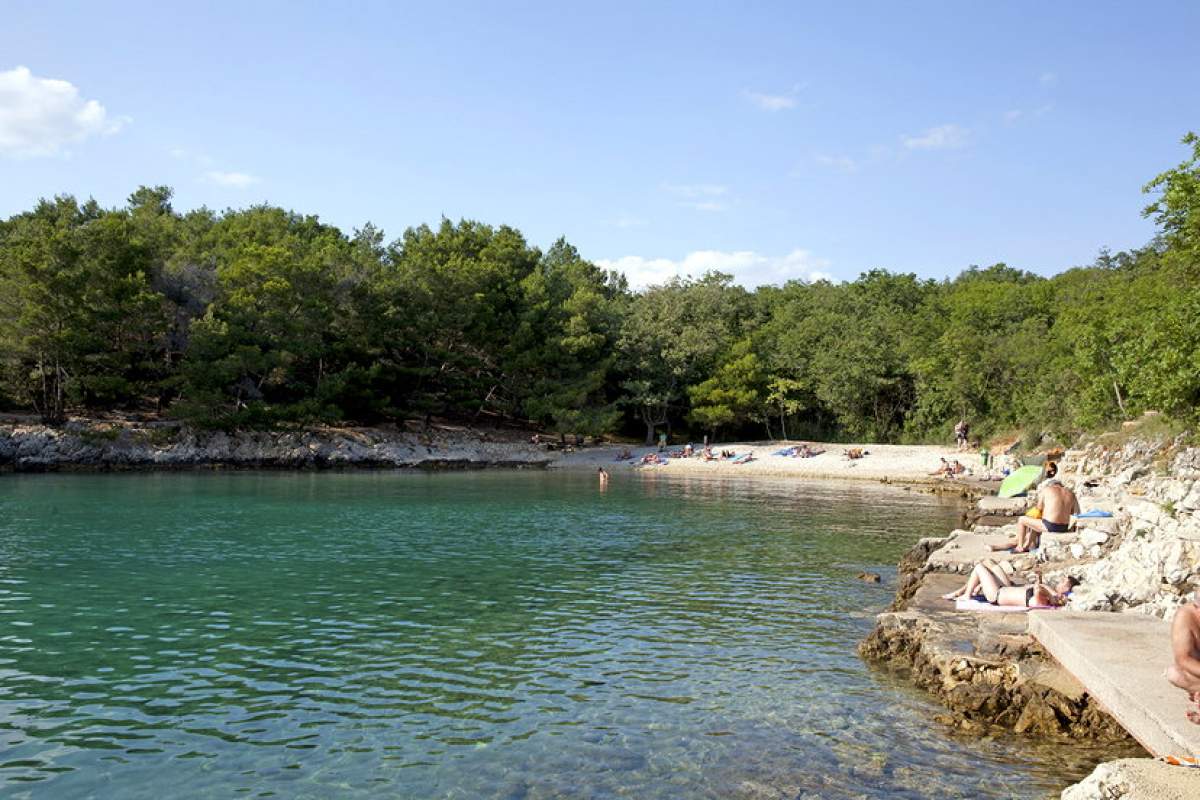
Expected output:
{"points": [[1137, 779], [37, 447]]}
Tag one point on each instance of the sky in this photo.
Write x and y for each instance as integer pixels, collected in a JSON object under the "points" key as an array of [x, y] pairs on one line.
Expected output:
{"points": [[773, 141]]}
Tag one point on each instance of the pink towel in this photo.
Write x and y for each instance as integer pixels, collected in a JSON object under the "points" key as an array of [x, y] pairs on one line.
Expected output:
{"points": [[969, 604]]}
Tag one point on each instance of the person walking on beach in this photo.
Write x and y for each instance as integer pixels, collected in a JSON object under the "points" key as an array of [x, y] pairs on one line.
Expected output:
{"points": [[961, 433], [1185, 646], [1056, 504]]}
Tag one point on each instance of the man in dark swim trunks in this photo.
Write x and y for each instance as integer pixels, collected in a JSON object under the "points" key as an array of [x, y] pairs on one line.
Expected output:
{"points": [[1056, 503]]}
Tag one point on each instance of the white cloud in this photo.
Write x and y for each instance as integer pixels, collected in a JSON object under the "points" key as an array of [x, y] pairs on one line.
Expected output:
{"points": [[693, 190], [1020, 115], [748, 268], [844, 163], [184, 154], [626, 221], [41, 116], [236, 180], [698, 196], [774, 102], [1048, 79], [943, 137], [771, 102], [703, 205]]}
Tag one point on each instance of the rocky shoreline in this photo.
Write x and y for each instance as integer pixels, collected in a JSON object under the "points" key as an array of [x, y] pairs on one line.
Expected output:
{"points": [[93, 446], [988, 671]]}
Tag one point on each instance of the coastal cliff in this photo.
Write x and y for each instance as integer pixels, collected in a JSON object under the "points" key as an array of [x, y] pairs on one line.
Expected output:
{"points": [[986, 668]]}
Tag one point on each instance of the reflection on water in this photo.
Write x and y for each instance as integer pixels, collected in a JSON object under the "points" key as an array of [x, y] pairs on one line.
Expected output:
{"points": [[468, 635]]}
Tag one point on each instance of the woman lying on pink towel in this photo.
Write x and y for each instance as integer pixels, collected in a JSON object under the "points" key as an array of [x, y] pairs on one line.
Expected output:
{"points": [[992, 582]]}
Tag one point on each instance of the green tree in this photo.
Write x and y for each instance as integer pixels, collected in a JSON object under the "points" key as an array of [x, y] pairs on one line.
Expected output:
{"points": [[79, 321], [736, 393], [671, 338]]}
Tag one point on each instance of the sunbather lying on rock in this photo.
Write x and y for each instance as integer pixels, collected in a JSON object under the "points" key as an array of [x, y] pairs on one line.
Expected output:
{"points": [[993, 582], [1185, 644]]}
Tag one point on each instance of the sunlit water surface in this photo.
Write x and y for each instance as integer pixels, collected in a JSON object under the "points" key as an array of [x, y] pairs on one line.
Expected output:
{"points": [[480, 635]]}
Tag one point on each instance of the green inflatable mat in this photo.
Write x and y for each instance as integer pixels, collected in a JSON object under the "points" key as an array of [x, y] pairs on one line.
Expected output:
{"points": [[1020, 480]]}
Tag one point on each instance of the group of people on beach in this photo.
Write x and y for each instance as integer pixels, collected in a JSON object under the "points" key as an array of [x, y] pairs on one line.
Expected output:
{"points": [[950, 469], [706, 453], [995, 581]]}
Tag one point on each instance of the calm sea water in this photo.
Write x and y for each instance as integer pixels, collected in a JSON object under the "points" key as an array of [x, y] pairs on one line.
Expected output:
{"points": [[479, 635]]}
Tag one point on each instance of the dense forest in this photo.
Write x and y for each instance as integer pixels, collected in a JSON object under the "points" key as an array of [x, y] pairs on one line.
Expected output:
{"points": [[263, 317]]}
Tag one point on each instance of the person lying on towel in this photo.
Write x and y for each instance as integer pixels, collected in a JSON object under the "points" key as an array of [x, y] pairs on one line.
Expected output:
{"points": [[993, 583]]}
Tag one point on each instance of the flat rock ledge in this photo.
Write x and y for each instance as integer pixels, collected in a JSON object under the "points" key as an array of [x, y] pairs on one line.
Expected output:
{"points": [[985, 669], [89, 446]]}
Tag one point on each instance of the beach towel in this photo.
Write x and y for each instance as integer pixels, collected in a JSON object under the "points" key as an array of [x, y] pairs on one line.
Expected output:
{"points": [[1181, 761], [787, 451], [971, 604], [1094, 513], [742, 459]]}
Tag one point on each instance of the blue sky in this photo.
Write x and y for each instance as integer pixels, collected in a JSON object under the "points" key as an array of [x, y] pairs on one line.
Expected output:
{"points": [[775, 141]]}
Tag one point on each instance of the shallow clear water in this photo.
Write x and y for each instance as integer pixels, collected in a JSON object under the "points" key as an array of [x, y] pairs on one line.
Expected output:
{"points": [[474, 635]]}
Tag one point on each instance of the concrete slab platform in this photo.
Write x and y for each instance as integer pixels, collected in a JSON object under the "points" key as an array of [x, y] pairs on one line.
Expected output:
{"points": [[965, 549], [1003, 506], [1120, 658]]}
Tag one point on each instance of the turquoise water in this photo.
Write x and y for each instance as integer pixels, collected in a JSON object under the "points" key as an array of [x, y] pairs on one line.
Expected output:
{"points": [[474, 635]]}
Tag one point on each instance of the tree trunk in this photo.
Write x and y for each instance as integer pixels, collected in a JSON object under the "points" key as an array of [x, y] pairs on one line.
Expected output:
{"points": [[649, 432], [1120, 402]]}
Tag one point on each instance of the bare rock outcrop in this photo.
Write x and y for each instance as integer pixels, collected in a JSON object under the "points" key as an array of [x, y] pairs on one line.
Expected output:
{"points": [[986, 669], [104, 446]]}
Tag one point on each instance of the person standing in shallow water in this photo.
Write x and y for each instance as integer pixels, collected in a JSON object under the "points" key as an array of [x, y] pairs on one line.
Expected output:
{"points": [[1185, 646], [603, 475]]}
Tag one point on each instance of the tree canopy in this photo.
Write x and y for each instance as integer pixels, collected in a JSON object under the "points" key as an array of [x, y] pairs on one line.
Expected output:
{"points": [[265, 317]]}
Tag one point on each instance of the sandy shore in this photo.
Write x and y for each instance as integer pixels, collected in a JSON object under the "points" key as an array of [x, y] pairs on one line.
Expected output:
{"points": [[898, 463]]}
